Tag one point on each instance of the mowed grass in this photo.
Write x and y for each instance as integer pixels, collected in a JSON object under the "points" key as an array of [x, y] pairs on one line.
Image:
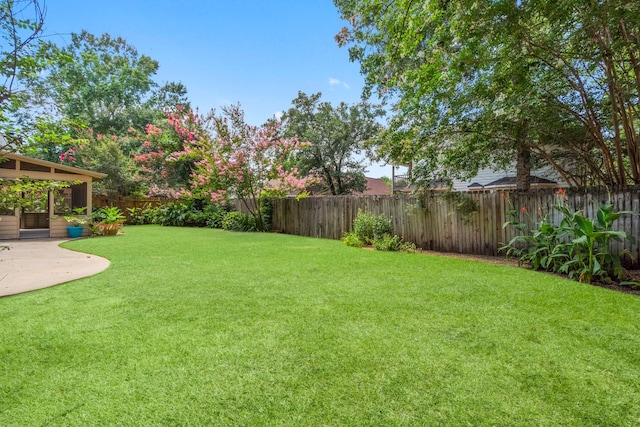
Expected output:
{"points": [[195, 327]]}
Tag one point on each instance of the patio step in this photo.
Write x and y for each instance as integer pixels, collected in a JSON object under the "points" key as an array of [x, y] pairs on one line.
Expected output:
{"points": [[34, 233]]}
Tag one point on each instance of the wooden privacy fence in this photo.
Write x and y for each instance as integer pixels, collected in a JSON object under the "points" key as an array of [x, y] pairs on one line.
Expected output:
{"points": [[446, 222], [125, 203]]}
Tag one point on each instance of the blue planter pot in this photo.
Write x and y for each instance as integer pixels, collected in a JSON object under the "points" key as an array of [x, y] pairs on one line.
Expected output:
{"points": [[74, 231]]}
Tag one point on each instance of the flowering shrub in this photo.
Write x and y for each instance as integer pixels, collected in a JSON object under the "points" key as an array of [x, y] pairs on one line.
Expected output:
{"points": [[154, 147], [578, 247], [233, 159], [103, 153]]}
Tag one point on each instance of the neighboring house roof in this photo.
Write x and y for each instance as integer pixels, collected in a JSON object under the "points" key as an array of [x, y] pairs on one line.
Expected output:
{"points": [[489, 179], [47, 164], [375, 187], [511, 180]]}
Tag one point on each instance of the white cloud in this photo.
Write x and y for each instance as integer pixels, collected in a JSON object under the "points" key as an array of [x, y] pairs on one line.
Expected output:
{"points": [[336, 82], [278, 115]]}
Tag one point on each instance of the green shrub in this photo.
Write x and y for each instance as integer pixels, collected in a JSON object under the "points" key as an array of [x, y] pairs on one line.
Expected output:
{"points": [[387, 242], [266, 211], [214, 214], [214, 219], [579, 247], [238, 221], [108, 214], [185, 213], [172, 214], [351, 239], [196, 219], [368, 226], [390, 243], [141, 216]]}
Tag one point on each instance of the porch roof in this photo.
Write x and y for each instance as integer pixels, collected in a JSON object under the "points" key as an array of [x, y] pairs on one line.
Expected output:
{"points": [[45, 163]]}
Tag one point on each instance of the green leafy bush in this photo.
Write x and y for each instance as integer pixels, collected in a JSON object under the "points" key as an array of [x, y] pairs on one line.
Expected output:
{"points": [[108, 215], [376, 230], [214, 213], [141, 216], [535, 248], [196, 219], [394, 243], [387, 242], [579, 247], [172, 214], [238, 221], [266, 211], [351, 239], [186, 213], [214, 219], [368, 226]]}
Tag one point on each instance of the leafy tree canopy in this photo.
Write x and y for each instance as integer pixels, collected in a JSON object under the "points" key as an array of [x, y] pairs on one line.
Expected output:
{"points": [[102, 81], [478, 83], [337, 136], [21, 24]]}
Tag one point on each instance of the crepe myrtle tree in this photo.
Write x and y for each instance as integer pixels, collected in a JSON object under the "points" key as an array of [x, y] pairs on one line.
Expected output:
{"points": [[233, 159]]}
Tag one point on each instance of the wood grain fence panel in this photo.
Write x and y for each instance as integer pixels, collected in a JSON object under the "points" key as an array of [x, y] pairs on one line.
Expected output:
{"points": [[635, 224], [431, 222]]}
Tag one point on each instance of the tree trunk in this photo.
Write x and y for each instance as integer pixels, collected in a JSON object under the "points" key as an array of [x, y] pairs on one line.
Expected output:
{"points": [[523, 160]]}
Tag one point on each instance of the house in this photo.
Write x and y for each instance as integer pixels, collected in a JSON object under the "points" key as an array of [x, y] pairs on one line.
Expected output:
{"points": [[485, 180], [491, 180], [375, 187], [43, 220]]}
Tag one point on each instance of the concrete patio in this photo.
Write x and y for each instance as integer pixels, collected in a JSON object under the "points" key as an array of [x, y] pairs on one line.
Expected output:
{"points": [[39, 263]]}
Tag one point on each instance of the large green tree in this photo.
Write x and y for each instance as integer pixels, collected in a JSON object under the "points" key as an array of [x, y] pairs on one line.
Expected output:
{"points": [[492, 82], [21, 23], [101, 80], [337, 136], [102, 96]]}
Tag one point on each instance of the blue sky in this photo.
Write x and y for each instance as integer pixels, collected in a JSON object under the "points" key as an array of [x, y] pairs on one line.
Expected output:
{"points": [[256, 52]]}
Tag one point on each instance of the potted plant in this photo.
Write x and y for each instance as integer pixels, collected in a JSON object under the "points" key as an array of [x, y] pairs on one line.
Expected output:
{"points": [[76, 222], [109, 220]]}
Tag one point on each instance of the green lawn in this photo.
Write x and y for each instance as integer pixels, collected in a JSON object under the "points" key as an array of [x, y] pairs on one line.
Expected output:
{"points": [[203, 327]]}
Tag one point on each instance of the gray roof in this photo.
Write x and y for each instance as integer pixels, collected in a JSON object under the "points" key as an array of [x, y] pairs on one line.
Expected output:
{"points": [[511, 180]]}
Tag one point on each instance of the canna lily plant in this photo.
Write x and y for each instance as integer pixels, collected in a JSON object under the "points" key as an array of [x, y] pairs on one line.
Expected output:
{"points": [[579, 247]]}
